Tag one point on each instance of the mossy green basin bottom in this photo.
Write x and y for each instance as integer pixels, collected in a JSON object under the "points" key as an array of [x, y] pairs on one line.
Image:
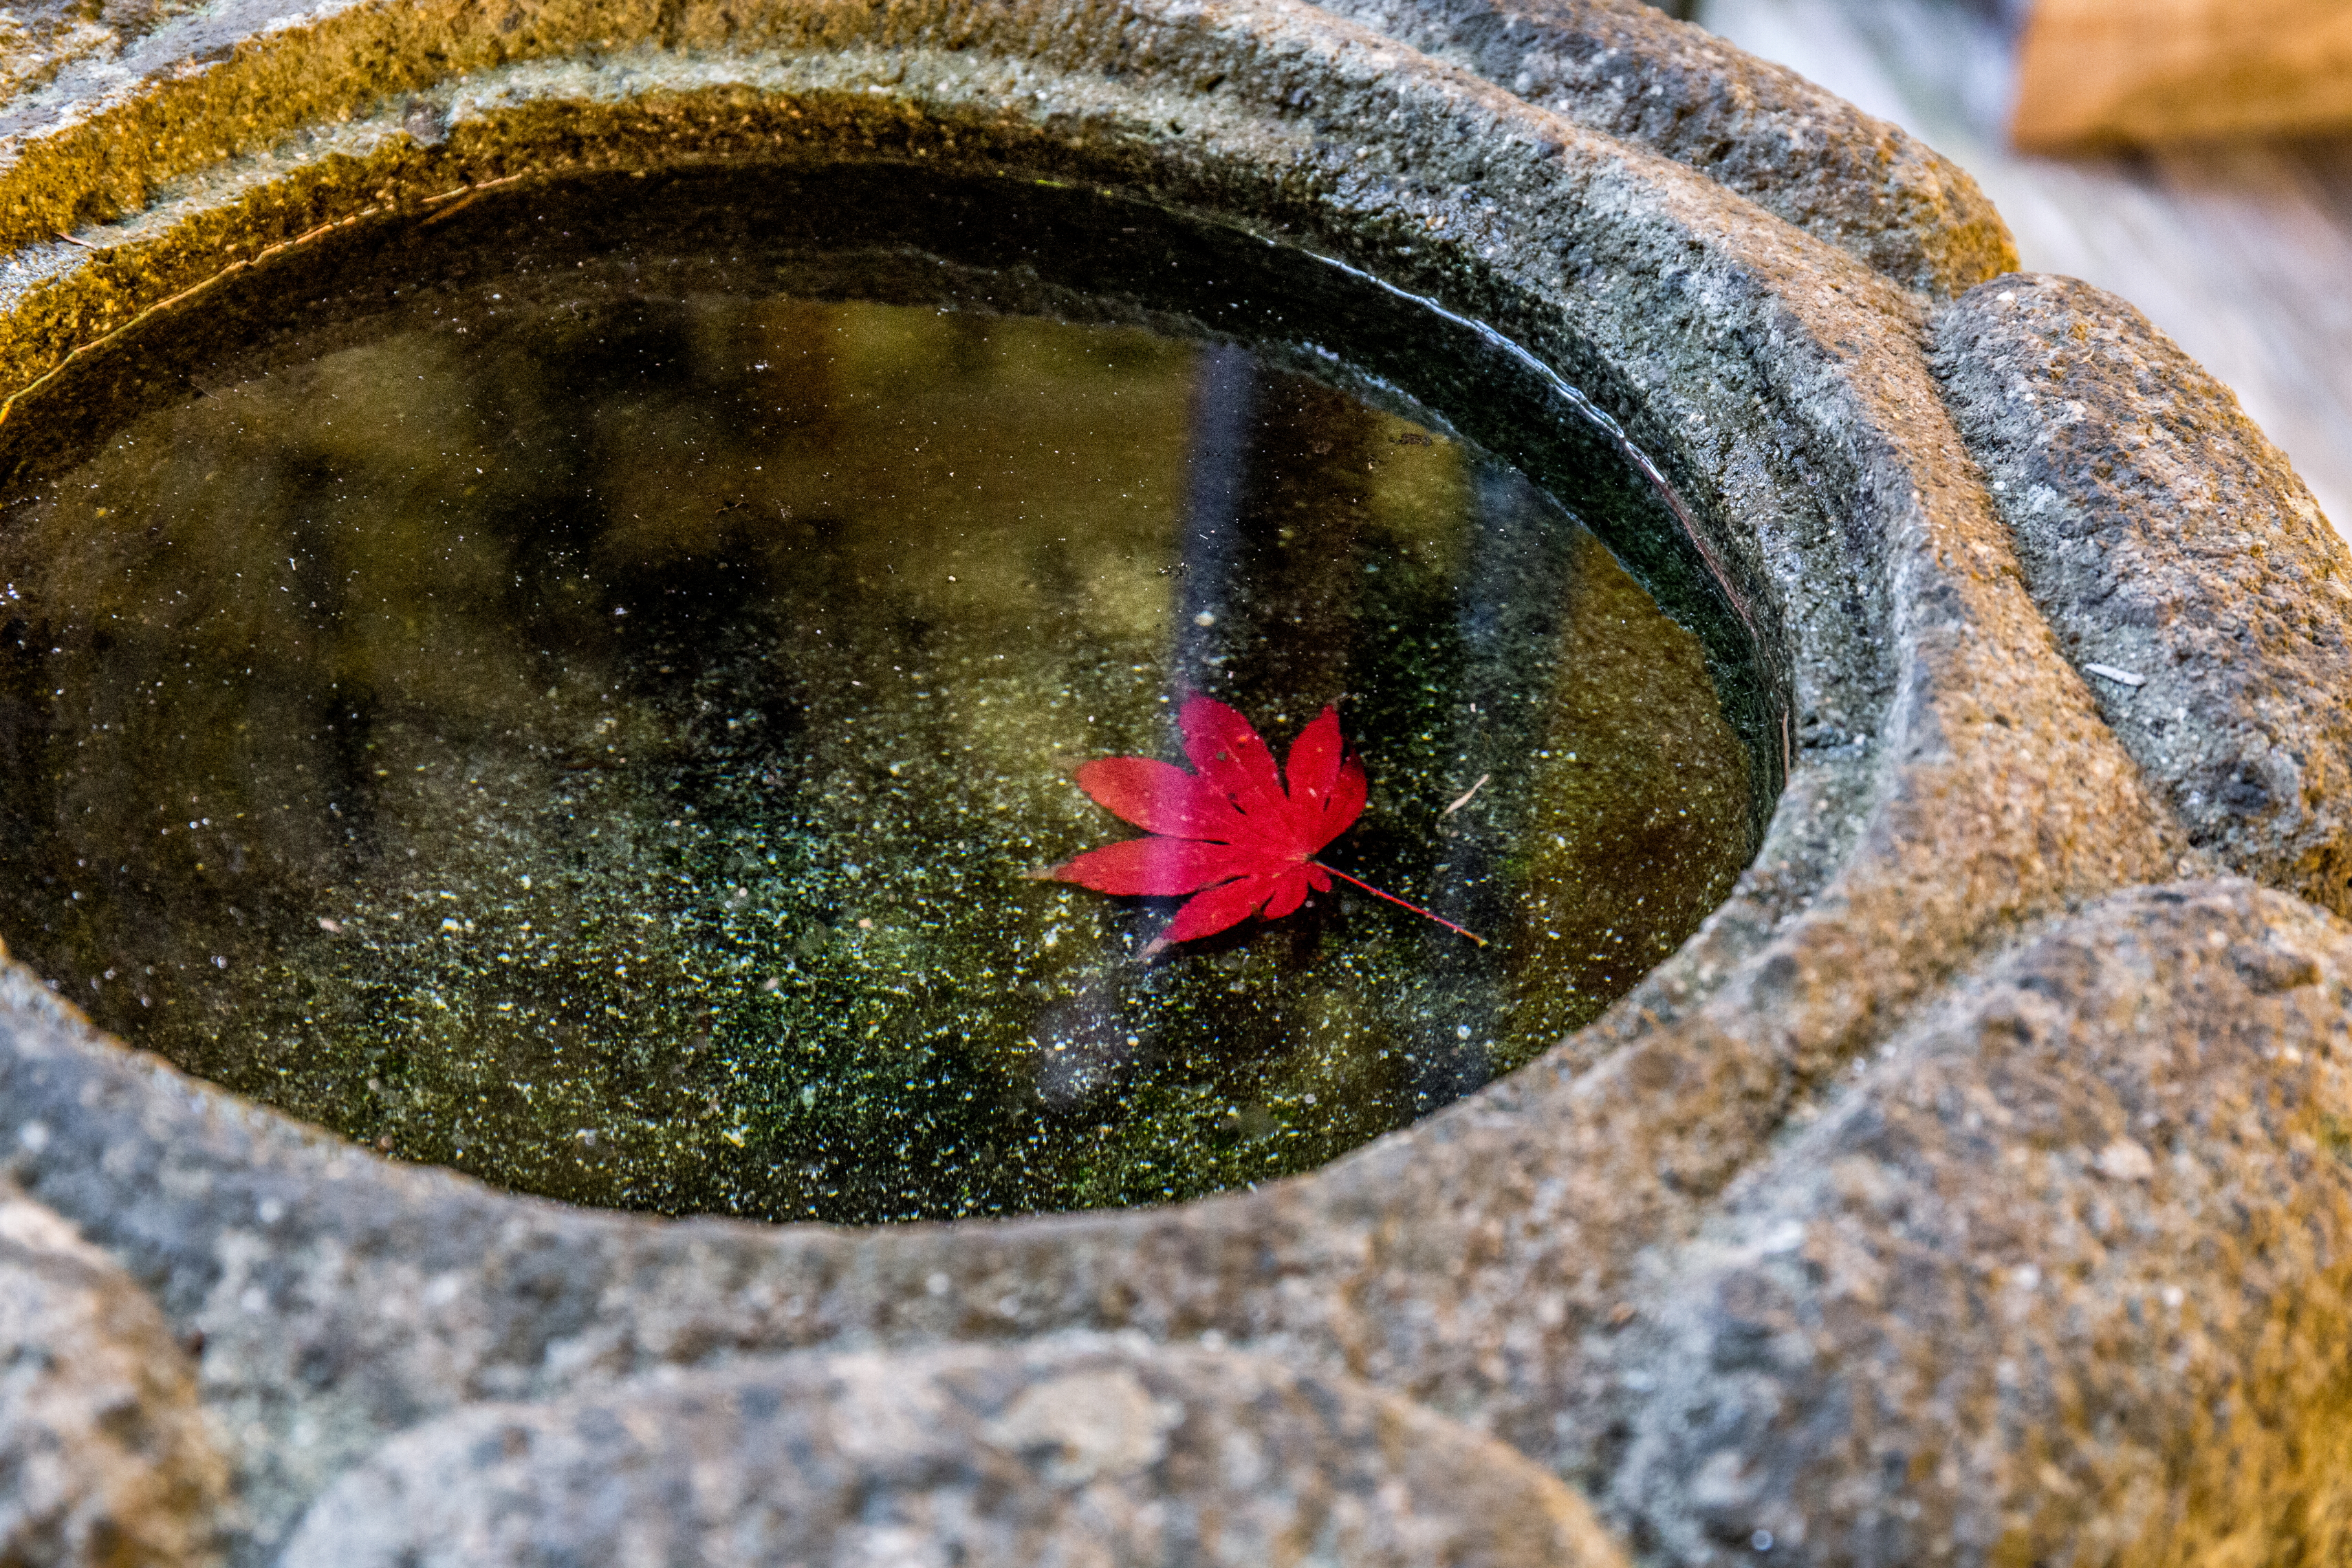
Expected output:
{"points": [[601, 739]]}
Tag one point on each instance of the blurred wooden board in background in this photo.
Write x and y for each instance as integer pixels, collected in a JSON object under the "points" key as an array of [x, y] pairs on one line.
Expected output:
{"points": [[2109, 73], [2241, 248]]}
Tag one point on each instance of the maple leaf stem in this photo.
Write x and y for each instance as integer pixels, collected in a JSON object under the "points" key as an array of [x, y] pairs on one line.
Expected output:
{"points": [[1391, 898]]}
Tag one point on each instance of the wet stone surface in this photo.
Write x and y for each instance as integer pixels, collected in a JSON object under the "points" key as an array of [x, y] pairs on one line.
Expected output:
{"points": [[601, 741]]}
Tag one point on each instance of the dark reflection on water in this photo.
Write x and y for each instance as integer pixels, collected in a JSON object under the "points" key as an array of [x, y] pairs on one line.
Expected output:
{"points": [[597, 740]]}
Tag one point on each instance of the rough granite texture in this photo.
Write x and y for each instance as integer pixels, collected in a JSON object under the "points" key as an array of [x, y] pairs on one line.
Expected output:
{"points": [[1076, 1452], [1621, 68], [1624, 69], [39, 39], [104, 1456], [2063, 1275], [1516, 1266], [2166, 539]]}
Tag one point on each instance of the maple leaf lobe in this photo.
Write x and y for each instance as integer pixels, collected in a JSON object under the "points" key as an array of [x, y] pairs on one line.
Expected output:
{"points": [[1229, 833]]}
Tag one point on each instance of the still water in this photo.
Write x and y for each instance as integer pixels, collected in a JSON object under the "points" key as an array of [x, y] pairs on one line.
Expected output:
{"points": [[602, 742]]}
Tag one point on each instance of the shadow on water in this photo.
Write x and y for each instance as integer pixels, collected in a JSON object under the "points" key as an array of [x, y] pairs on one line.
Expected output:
{"points": [[586, 714]]}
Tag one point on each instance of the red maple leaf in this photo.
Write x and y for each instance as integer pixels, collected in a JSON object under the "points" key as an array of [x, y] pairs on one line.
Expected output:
{"points": [[1228, 833]]}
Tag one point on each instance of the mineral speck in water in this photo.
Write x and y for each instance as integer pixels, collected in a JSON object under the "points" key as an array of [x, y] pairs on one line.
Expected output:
{"points": [[602, 747]]}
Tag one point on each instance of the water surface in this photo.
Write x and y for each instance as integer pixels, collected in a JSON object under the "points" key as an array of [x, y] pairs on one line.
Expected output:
{"points": [[598, 737]]}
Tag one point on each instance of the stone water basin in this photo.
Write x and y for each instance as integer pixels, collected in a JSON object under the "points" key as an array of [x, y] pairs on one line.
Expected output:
{"points": [[1969, 1186], [563, 708]]}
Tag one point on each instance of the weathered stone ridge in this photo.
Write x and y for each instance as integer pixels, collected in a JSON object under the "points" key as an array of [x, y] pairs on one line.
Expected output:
{"points": [[1075, 1450], [2125, 1151], [2188, 571], [1624, 69]]}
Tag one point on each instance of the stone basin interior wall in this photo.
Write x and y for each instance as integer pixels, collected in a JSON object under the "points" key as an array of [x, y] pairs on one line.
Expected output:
{"points": [[1975, 1187]]}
